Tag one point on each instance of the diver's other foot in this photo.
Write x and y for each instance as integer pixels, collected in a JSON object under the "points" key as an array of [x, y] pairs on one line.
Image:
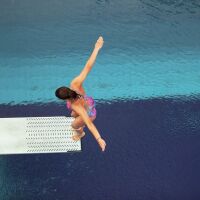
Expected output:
{"points": [[79, 133], [78, 136]]}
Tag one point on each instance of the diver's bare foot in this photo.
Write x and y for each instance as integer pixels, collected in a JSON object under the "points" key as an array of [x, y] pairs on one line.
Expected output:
{"points": [[78, 135]]}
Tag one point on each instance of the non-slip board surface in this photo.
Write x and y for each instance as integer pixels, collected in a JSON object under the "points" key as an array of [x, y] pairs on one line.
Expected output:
{"points": [[37, 135]]}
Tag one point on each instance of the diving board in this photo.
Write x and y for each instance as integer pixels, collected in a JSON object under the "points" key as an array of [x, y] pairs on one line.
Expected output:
{"points": [[37, 135]]}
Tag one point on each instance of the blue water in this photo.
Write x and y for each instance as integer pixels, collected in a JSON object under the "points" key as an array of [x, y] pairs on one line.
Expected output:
{"points": [[152, 153], [145, 80]]}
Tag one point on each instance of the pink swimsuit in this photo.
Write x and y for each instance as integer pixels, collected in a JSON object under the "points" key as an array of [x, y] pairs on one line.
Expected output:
{"points": [[90, 106]]}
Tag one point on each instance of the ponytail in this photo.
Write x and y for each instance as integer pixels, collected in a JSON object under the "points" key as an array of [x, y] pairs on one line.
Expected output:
{"points": [[66, 93]]}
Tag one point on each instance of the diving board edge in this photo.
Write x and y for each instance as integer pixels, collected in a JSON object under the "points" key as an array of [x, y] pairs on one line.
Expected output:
{"points": [[30, 135]]}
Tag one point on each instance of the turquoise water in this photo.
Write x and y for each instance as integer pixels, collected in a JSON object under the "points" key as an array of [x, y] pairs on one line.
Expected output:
{"points": [[151, 49]]}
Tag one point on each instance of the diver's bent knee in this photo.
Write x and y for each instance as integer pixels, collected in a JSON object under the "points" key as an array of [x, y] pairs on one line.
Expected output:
{"points": [[73, 114]]}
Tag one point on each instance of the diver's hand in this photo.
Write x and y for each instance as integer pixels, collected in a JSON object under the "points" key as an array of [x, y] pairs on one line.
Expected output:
{"points": [[99, 43], [102, 144]]}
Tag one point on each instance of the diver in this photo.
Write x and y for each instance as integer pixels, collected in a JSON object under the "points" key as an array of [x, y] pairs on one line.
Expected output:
{"points": [[82, 107]]}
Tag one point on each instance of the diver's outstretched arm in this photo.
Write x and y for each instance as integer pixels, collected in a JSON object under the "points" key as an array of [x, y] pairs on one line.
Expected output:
{"points": [[93, 56], [88, 66]]}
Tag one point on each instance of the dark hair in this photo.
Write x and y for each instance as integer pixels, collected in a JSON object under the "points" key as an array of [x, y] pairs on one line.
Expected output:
{"points": [[66, 93]]}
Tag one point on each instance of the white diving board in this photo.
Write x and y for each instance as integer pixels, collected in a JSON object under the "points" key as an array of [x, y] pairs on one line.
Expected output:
{"points": [[37, 135]]}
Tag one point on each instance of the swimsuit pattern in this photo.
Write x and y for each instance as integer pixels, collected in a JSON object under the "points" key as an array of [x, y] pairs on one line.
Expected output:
{"points": [[89, 106]]}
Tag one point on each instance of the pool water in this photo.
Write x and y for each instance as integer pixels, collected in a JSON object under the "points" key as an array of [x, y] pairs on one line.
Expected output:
{"points": [[145, 82], [151, 48]]}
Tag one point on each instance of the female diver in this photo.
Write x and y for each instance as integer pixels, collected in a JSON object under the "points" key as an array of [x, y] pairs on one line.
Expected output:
{"points": [[81, 105]]}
